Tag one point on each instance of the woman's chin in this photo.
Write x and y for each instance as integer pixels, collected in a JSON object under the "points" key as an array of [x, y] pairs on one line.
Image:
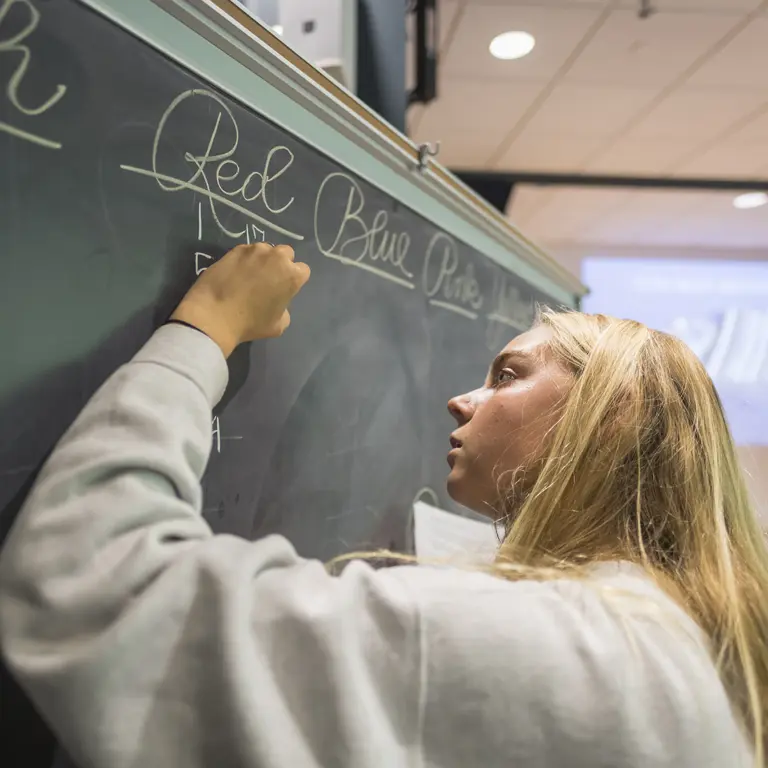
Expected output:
{"points": [[453, 485], [461, 492], [456, 486]]}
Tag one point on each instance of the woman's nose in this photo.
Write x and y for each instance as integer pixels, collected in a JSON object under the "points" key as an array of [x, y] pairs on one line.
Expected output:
{"points": [[461, 408]]}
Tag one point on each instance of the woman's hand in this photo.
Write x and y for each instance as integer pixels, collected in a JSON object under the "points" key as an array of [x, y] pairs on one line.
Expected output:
{"points": [[245, 295]]}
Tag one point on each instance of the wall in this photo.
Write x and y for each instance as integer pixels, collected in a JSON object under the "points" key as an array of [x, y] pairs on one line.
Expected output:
{"points": [[268, 11]]}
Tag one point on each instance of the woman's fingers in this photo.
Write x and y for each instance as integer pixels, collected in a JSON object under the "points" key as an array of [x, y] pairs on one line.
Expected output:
{"points": [[245, 295], [302, 272], [285, 250]]}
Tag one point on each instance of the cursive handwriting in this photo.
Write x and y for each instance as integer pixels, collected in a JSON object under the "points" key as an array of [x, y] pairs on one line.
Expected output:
{"points": [[510, 310], [215, 166], [356, 243], [344, 228], [458, 290], [15, 45]]}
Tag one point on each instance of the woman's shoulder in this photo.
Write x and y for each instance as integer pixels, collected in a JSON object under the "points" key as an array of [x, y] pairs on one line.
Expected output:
{"points": [[608, 587], [606, 611], [608, 659]]}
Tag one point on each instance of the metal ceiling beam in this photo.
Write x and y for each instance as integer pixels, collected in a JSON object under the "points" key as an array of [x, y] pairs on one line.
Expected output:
{"points": [[630, 182], [495, 191]]}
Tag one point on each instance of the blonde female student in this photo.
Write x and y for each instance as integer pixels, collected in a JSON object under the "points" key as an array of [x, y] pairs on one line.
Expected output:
{"points": [[624, 622]]}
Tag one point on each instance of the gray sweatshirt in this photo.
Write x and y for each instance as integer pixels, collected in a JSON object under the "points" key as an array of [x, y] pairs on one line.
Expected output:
{"points": [[148, 642]]}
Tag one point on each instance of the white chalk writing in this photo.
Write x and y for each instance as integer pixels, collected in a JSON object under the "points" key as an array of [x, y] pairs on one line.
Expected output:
{"points": [[200, 255], [217, 435], [256, 185], [356, 243], [445, 283], [510, 311], [15, 45]]}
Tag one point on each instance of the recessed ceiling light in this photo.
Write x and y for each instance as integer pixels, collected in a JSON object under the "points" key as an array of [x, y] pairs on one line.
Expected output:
{"points": [[512, 45], [278, 29], [750, 200]]}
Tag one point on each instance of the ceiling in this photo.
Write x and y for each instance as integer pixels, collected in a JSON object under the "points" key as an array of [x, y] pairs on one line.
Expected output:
{"points": [[683, 93]]}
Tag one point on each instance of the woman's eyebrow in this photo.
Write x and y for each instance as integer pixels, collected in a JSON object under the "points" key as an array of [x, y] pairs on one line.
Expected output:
{"points": [[513, 354]]}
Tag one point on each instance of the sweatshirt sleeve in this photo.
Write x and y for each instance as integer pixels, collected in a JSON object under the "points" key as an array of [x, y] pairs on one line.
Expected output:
{"points": [[147, 641]]}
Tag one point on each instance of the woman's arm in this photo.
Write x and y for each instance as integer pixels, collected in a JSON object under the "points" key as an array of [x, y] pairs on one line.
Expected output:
{"points": [[147, 641]]}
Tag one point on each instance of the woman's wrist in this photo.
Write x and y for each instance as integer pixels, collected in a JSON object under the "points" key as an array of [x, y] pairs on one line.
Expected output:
{"points": [[206, 322], [176, 321]]}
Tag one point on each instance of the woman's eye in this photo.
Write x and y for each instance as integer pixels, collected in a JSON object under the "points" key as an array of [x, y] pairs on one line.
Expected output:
{"points": [[504, 376]]}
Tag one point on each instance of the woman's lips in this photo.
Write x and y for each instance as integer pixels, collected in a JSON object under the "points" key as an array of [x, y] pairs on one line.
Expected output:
{"points": [[454, 452]]}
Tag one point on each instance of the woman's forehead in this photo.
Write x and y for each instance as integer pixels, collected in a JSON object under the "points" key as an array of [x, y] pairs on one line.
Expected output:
{"points": [[531, 341]]}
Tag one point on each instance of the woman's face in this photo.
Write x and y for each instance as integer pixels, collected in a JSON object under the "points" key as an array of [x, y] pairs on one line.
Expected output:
{"points": [[502, 424]]}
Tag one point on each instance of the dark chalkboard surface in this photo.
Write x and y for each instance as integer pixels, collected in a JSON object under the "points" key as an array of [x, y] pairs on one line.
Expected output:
{"points": [[121, 176]]}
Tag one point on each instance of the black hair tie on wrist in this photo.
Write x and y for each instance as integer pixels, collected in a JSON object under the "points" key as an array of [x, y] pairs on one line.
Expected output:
{"points": [[185, 324]]}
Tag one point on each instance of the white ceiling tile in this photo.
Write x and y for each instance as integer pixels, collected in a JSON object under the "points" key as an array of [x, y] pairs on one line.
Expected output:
{"points": [[571, 211], [638, 219], [557, 30], [671, 202], [720, 230], [720, 205], [721, 6], [743, 63], [648, 218], [728, 159], [526, 200], [639, 157], [688, 236], [696, 114], [470, 120], [620, 229], [540, 3], [447, 14], [589, 110], [629, 51], [621, 72], [534, 151], [413, 117], [754, 132], [642, 220], [691, 219]]}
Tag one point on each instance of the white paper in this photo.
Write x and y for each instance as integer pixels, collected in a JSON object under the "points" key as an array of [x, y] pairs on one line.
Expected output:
{"points": [[442, 535]]}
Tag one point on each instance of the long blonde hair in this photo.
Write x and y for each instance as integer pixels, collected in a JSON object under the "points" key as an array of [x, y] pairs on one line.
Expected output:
{"points": [[642, 467]]}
